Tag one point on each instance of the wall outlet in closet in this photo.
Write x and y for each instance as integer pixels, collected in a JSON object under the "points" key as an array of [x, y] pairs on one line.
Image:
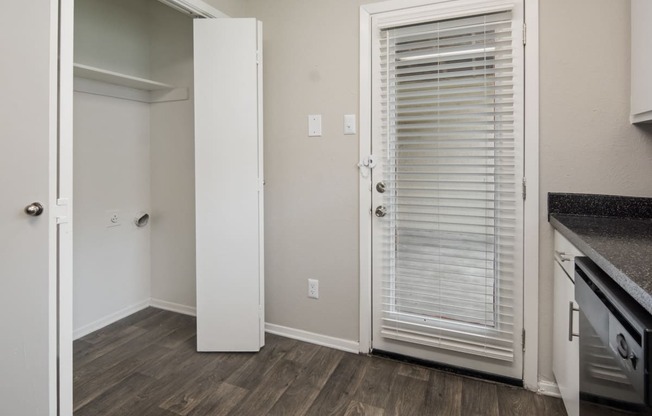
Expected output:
{"points": [[313, 288], [113, 219]]}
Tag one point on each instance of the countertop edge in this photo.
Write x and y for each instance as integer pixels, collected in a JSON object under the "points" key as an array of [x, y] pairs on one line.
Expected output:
{"points": [[634, 290]]}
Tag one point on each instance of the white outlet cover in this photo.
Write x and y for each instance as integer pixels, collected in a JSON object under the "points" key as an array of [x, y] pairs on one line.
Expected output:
{"points": [[314, 125], [113, 219], [349, 124], [313, 288]]}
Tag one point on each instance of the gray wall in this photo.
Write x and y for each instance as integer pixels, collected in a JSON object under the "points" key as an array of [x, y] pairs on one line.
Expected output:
{"points": [[587, 144], [311, 192], [111, 166], [172, 161], [311, 66]]}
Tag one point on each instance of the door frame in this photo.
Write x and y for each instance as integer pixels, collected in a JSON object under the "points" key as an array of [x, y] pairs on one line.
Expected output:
{"points": [[61, 182], [531, 179]]}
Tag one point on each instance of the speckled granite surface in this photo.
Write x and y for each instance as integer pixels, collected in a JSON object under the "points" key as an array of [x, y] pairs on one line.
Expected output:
{"points": [[614, 232], [599, 205]]}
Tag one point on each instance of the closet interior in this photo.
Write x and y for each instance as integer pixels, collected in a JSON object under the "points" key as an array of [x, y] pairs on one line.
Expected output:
{"points": [[133, 156], [168, 173]]}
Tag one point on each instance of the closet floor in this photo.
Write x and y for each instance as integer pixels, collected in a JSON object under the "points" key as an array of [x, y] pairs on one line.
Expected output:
{"points": [[146, 364]]}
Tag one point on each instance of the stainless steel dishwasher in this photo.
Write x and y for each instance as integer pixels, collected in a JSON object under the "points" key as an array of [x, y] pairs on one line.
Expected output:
{"points": [[615, 338]]}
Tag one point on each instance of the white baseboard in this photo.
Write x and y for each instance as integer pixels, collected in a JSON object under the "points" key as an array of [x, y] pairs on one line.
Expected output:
{"points": [[173, 307], [109, 319], [311, 337], [549, 388]]}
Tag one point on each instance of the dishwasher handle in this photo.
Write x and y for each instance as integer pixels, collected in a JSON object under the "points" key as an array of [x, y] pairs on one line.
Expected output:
{"points": [[571, 309]]}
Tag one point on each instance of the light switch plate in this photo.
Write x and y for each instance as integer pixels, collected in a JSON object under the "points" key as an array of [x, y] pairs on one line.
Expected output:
{"points": [[349, 124], [314, 125]]}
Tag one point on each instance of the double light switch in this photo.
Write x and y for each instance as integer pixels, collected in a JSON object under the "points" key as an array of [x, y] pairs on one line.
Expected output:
{"points": [[314, 125]]}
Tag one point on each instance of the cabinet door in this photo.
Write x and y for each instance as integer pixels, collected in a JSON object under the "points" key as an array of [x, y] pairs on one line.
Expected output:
{"points": [[566, 352], [228, 188], [641, 62]]}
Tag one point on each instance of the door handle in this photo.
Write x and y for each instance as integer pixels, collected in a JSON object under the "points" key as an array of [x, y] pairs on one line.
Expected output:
{"points": [[34, 209], [381, 211], [571, 309]]}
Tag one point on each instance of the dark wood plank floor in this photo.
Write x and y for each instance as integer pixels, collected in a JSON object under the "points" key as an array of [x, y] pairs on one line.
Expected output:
{"points": [[146, 364]]}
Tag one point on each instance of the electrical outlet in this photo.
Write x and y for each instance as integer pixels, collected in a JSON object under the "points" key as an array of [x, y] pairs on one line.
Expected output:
{"points": [[313, 288], [113, 219]]}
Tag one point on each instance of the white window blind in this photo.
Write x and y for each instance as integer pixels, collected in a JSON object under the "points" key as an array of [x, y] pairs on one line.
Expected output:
{"points": [[450, 155]]}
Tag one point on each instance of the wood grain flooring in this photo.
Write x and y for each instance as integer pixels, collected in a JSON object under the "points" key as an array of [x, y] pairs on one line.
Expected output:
{"points": [[146, 364]]}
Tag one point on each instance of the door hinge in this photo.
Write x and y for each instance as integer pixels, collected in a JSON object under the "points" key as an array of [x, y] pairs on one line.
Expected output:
{"points": [[63, 210], [524, 188], [523, 340], [524, 34]]}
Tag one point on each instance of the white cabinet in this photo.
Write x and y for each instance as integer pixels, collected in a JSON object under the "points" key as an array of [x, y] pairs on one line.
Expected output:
{"points": [[565, 347], [641, 62]]}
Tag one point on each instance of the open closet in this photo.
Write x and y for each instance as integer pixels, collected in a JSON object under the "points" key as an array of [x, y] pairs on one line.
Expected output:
{"points": [[168, 197]]}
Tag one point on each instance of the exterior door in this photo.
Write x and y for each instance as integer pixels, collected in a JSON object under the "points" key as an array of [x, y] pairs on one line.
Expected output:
{"points": [[229, 184], [447, 268], [28, 140]]}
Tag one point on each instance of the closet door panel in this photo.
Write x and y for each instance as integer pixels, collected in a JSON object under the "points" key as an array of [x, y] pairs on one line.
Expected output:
{"points": [[228, 185]]}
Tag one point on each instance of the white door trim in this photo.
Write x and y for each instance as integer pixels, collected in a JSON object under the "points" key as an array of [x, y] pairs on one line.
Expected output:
{"points": [[531, 156], [61, 187], [66, 39], [531, 209]]}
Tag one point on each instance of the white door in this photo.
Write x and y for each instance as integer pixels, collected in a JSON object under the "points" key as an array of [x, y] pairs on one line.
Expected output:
{"points": [[228, 184], [27, 142], [446, 194]]}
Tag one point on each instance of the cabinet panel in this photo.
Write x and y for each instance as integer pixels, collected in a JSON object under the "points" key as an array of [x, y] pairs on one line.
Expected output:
{"points": [[641, 62], [565, 361], [565, 253]]}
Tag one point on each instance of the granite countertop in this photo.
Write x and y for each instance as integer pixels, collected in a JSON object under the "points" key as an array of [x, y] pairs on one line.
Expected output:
{"points": [[615, 232]]}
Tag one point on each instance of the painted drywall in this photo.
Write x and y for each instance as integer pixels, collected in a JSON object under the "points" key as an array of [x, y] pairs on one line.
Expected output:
{"points": [[111, 172], [111, 166], [172, 161], [586, 141], [311, 192], [232, 8], [113, 35]]}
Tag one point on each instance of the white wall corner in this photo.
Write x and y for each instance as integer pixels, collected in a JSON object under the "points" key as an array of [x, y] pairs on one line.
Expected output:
{"points": [[548, 388], [173, 307], [313, 338]]}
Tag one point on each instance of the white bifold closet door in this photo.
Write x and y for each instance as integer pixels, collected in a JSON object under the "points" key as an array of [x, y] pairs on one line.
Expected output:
{"points": [[229, 179]]}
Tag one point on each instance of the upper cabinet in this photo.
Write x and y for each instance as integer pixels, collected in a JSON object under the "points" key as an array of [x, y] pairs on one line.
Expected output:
{"points": [[641, 62]]}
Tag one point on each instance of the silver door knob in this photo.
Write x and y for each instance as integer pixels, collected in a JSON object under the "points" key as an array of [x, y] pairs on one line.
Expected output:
{"points": [[381, 211], [380, 187], [34, 209]]}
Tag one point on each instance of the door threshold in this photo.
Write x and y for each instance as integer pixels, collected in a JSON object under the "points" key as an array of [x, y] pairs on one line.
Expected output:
{"points": [[460, 371]]}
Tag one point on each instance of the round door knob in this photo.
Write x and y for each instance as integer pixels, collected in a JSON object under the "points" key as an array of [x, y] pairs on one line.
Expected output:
{"points": [[381, 211], [380, 187], [34, 209]]}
